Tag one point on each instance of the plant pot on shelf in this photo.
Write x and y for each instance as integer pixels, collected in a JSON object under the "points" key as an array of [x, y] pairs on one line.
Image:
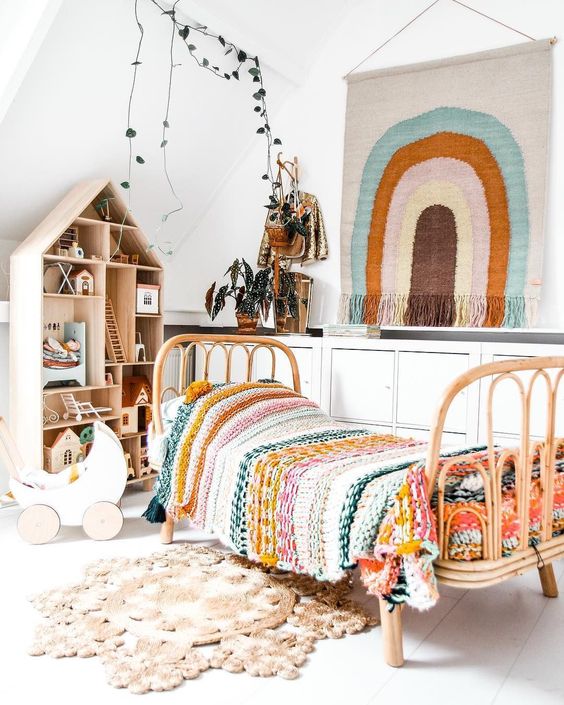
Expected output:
{"points": [[278, 235], [246, 325]]}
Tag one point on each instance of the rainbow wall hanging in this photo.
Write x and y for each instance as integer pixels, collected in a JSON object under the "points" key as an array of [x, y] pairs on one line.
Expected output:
{"points": [[444, 190]]}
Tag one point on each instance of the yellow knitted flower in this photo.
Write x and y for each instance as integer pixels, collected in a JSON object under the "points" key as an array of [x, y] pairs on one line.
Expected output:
{"points": [[197, 389]]}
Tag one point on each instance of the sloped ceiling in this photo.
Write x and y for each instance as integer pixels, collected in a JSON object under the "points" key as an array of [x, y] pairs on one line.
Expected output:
{"points": [[68, 118]]}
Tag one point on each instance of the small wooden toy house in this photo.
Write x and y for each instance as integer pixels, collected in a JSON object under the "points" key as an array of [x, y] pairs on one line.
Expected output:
{"points": [[129, 419], [136, 391], [148, 298], [83, 283], [66, 450]]}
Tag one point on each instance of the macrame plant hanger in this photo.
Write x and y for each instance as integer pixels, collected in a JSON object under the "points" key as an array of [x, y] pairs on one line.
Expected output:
{"points": [[291, 168], [425, 10]]}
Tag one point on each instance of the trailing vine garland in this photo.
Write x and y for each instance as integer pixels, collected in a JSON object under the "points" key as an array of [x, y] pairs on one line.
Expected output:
{"points": [[186, 32]]}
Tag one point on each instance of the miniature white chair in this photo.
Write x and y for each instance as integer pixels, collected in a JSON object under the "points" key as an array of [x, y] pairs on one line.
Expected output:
{"points": [[139, 349], [76, 409]]}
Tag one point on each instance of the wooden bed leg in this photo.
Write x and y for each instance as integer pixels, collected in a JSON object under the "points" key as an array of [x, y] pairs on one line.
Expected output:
{"points": [[392, 633], [167, 529], [548, 581]]}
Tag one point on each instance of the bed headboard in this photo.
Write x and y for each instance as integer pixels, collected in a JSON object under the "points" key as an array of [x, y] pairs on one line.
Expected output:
{"points": [[207, 344]]}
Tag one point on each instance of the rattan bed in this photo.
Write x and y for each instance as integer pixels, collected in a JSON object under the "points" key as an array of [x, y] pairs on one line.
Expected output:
{"points": [[524, 373]]}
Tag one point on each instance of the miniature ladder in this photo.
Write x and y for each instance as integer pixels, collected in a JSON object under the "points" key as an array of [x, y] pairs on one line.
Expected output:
{"points": [[114, 346]]}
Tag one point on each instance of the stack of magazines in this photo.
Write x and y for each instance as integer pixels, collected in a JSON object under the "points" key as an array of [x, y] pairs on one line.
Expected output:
{"points": [[351, 330]]}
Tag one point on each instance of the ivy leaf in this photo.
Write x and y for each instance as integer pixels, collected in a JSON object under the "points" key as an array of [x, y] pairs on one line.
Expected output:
{"points": [[260, 131], [241, 55], [139, 160], [215, 68], [257, 108], [277, 141], [165, 123], [257, 96], [256, 79], [221, 40], [168, 12], [191, 47], [261, 91], [264, 177], [164, 143], [205, 62], [136, 63], [235, 74], [130, 132], [184, 32], [254, 71], [228, 51], [227, 76], [125, 184]]}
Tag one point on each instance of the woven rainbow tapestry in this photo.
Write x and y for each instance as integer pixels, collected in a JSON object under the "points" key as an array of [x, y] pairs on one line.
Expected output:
{"points": [[444, 190]]}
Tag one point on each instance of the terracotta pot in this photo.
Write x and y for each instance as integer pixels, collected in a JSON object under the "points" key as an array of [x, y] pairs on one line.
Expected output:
{"points": [[277, 235], [246, 325]]}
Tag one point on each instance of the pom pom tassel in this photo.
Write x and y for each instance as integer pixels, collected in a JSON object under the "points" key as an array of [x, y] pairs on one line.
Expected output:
{"points": [[155, 512]]}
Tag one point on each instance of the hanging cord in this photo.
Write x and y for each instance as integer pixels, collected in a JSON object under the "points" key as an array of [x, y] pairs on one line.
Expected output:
{"points": [[457, 2], [392, 37]]}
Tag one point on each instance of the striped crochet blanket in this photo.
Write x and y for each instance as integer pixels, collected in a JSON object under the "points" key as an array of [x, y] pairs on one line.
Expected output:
{"points": [[276, 479]]}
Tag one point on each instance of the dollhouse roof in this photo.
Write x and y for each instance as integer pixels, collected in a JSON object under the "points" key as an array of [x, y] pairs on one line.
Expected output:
{"points": [[82, 274], [80, 203], [135, 391], [72, 439]]}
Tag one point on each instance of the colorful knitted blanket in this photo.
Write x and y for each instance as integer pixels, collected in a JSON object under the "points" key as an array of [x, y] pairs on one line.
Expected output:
{"points": [[276, 479]]}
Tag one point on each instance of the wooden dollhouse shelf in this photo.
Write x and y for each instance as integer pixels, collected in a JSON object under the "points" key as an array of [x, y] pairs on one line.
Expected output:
{"points": [[71, 260], [151, 476], [72, 296], [77, 220], [75, 388], [83, 422]]}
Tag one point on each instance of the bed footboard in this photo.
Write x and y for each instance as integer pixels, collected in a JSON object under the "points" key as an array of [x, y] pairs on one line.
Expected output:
{"points": [[495, 564]]}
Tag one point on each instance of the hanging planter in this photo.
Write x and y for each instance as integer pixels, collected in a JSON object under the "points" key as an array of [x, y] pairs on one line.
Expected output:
{"points": [[278, 234]]}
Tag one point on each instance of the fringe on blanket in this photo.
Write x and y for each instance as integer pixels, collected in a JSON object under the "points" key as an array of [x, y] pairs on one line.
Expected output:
{"points": [[155, 512], [406, 546], [466, 310]]}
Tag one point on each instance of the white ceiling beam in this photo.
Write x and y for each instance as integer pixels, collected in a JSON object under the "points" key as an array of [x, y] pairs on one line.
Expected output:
{"points": [[269, 55]]}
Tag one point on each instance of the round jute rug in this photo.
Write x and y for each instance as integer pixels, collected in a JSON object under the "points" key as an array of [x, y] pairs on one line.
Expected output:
{"points": [[146, 617]]}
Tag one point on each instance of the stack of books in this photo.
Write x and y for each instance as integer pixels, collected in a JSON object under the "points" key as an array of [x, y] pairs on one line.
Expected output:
{"points": [[351, 330]]}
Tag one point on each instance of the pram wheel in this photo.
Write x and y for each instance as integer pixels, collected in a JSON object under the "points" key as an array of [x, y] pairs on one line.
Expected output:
{"points": [[102, 521], [38, 524]]}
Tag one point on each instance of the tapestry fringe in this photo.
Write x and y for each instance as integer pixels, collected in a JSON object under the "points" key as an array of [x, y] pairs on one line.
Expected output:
{"points": [[465, 310]]}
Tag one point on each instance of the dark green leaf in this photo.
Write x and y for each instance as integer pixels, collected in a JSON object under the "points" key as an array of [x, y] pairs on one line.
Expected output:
{"points": [[136, 63], [164, 143], [125, 184], [257, 108], [191, 47], [184, 32], [221, 40], [261, 91], [235, 74], [234, 273], [219, 300], [130, 132], [265, 177], [229, 51], [205, 62], [257, 96], [215, 68], [254, 71], [241, 56], [227, 76], [168, 12], [139, 160], [248, 274], [260, 131], [277, 141], [256, 79], [165, 123]]}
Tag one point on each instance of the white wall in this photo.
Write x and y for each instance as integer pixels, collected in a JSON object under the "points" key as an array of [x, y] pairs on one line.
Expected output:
{"points": [[311, 124]]}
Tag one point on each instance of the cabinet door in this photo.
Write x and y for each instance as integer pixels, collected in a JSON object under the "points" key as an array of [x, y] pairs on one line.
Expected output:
{"points": [[422, 378], [362, 385], [420, 434], [283, 371]]}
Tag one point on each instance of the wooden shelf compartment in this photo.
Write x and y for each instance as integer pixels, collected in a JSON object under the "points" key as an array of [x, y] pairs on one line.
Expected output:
{"points": [[75, 388], [99, 396], [93, 238]]}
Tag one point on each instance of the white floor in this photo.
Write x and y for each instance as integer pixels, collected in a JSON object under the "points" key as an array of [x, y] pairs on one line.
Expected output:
{"points": [[502, 645]]}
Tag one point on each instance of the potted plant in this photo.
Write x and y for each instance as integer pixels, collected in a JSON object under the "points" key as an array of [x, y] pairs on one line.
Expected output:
{"points": [[286, 303], [284, 223], [253, 294]]}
